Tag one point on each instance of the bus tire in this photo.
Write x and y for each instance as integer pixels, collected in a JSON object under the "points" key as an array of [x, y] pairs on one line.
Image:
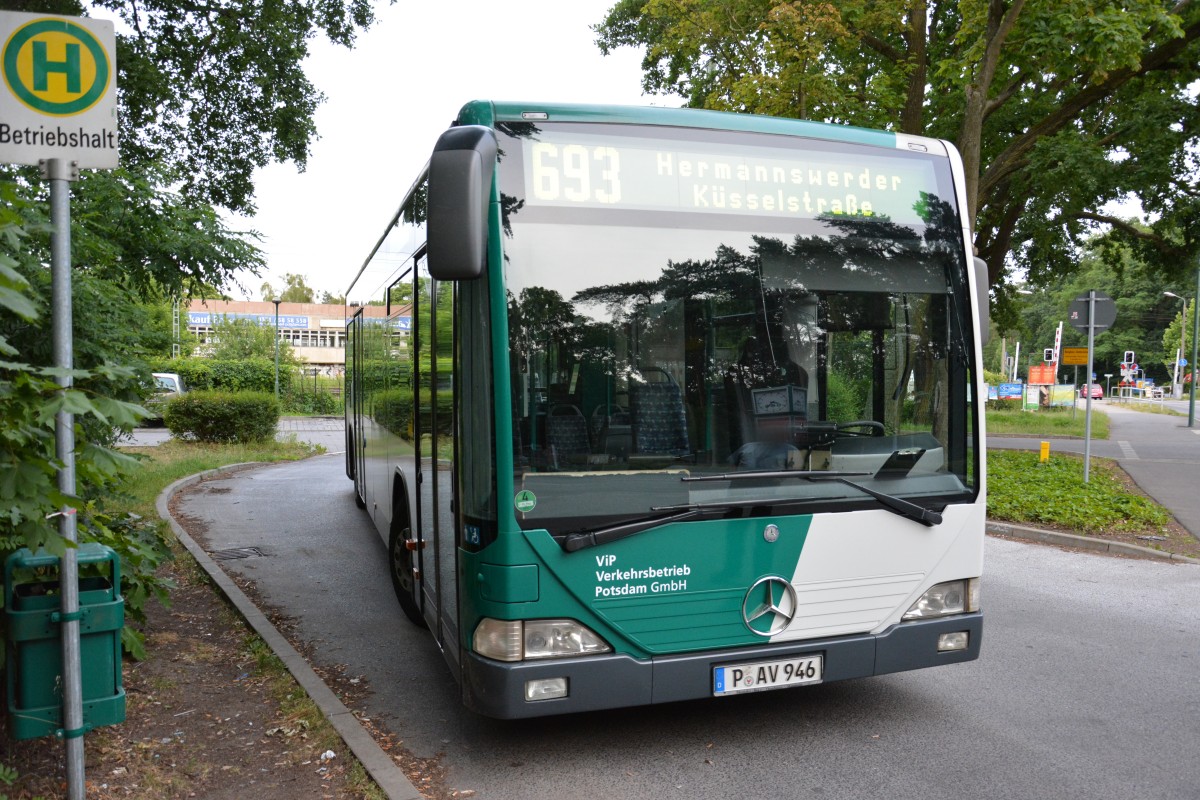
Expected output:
{"points": [[400, 567]]}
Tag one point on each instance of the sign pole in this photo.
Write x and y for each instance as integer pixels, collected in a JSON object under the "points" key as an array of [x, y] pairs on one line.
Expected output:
{"points": [[61, 173], [58, 91], [1195, 342], [1087, 414]]}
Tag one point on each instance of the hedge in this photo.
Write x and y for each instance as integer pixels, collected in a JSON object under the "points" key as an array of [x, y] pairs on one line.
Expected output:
{"points": [[251, 374], [218, 416]]}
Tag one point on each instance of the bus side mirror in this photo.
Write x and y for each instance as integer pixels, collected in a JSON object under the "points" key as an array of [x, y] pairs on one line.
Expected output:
{"points": [[982, 286], [460, 188]]}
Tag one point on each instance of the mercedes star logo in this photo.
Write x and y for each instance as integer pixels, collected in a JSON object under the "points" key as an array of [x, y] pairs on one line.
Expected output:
{"points": [[769, 606]]}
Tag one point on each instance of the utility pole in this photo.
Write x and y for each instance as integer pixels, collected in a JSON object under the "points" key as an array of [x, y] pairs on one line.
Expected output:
{"points": [[1177, 378], [1195, 335], [276, 302]]}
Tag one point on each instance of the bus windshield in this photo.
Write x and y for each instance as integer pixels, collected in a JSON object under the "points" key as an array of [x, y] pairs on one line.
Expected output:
{"points": [[692, 312]]}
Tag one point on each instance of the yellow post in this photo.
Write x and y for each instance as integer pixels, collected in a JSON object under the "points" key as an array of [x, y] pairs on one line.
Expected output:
{"points": [[1045, 452]]}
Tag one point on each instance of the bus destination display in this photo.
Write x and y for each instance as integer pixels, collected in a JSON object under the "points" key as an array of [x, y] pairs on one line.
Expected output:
{"points": [[609, 172]]}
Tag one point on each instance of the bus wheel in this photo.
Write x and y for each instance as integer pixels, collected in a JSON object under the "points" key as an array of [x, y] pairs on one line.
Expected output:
{"points": [[400, 566]]}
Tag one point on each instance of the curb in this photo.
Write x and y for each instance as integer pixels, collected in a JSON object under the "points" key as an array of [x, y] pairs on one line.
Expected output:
{"points": [[379, 765], [1083, 542]]}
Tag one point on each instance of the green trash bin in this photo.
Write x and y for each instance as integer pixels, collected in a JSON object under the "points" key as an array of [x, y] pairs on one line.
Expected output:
{"points": [[32, 607]]}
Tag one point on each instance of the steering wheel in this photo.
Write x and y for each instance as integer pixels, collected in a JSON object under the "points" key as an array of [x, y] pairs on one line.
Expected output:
{"points": [[866, 427]]}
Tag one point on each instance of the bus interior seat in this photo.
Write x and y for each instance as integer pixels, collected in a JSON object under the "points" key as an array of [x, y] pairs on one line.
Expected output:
{"points": [[567, 434], [659, 420]]}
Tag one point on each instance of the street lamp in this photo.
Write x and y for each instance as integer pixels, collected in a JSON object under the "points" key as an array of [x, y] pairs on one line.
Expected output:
{"points": [[1182, 322], [276, 302]]}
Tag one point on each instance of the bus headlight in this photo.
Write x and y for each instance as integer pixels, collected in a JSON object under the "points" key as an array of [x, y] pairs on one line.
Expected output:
{"points": [[944, 599], [514, 640]]}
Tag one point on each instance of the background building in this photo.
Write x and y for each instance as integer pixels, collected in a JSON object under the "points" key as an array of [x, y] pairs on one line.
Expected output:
{"points": [[316, 332]]}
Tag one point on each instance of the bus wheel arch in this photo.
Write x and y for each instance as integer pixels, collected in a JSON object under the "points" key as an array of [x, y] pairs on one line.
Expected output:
{"points": [[401, 558]]}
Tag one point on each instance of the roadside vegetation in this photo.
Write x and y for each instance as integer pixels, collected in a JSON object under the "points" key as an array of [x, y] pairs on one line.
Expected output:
{"points": [[179, 669], [1054, 422], [1022, 490], [159, 467]]}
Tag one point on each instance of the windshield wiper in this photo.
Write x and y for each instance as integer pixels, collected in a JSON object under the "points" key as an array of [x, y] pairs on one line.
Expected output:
{"points": [[926, 516], [904, 508], [578, 541], [680, 513], [745, 475]]}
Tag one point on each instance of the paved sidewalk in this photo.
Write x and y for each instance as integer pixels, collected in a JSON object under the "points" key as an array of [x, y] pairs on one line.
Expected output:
{"points": [[1159, 452], [329, 432]]}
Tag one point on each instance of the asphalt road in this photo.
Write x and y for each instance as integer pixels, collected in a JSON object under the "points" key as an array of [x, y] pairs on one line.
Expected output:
{"points": [[1087, 686]]}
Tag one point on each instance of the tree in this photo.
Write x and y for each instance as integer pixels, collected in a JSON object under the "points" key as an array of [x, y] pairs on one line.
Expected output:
{"points": [[1171, 338], [238, 339], [213, 90], [209, 92], [295, 290], [1057, 108], [128, 229], [1110, 265], [330, 299]]}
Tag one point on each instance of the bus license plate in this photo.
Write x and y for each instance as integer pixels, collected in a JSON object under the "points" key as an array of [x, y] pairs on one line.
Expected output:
{"points": [[762, 675]]}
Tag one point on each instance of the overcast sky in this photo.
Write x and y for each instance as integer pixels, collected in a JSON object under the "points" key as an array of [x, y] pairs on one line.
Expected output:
{"points": [[389, 98]]}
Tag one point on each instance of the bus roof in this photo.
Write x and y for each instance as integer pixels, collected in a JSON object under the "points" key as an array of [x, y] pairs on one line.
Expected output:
{"points": [[488, 112]]}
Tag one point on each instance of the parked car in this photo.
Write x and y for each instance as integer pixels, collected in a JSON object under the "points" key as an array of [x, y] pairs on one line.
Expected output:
{"points": [[166, 386], [1097, 391]]}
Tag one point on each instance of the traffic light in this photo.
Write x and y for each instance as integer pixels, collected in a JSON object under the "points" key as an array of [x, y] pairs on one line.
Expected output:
{"points": [[1048, 354], [1129, 359]]}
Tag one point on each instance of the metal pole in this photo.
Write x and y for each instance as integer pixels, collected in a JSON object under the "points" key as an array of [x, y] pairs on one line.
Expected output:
{"points": [[276, 302], [1177, 375], [1195, 337], [1087, 379], [1182, 345], [61, 173]]}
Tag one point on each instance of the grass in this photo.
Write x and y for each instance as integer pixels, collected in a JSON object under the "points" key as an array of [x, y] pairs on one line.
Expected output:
{"points": [[1024, 491], [168, 462], [1149, 407], [1053, 422]]}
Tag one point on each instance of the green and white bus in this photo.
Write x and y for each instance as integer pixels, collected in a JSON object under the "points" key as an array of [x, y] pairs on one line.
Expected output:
{"points": [[657, 404]]}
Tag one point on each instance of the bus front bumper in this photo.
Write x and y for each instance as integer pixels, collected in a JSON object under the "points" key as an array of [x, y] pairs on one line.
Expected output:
{"points": [[497, 689]]}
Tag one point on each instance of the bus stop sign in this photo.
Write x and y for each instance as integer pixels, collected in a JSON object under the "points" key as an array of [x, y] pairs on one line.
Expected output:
{"points": [[1106, 313]]}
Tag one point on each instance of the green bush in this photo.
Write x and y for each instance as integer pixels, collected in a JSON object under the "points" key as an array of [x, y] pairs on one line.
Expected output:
{"points": [[218, 416], [323, 402], [994, 378], [243, 375], [393, 410]]}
